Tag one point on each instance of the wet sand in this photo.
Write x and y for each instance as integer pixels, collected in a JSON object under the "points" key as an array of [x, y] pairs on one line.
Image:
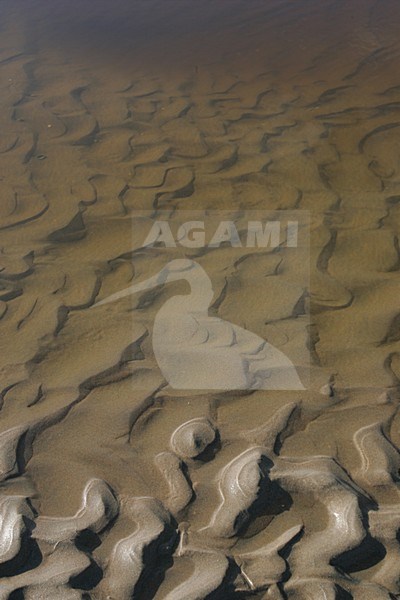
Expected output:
{"points": [[110, 108]]}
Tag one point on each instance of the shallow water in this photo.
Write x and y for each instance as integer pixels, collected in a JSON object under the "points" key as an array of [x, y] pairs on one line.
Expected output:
{"points": [[114, 107]]}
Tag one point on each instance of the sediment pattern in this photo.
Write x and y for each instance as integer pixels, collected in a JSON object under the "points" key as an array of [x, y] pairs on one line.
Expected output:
{"points": [[111, 491], [65, 561]]}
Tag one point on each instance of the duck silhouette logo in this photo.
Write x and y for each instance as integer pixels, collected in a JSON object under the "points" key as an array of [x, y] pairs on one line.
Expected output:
{"points": [[197, 351]]}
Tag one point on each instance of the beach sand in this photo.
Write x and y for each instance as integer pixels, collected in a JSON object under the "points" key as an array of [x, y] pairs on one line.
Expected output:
{"points": [[114, 486]]}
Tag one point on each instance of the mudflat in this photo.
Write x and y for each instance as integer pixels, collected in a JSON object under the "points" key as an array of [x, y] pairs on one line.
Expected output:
{"points": [[115, 484]]}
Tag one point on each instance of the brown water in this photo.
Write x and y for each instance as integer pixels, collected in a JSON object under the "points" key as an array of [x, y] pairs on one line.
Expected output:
{"points": [[111, 107]]}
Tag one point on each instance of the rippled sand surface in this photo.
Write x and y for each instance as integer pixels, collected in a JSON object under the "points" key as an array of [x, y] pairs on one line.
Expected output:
{"points": [[116, 491]]}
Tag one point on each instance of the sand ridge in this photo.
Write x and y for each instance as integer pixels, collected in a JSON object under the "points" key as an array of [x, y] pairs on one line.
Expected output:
{"points": [[89, 135]]}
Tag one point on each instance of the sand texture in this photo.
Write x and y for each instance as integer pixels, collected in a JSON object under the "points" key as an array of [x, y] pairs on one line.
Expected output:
{"points": [[114, 485]]}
